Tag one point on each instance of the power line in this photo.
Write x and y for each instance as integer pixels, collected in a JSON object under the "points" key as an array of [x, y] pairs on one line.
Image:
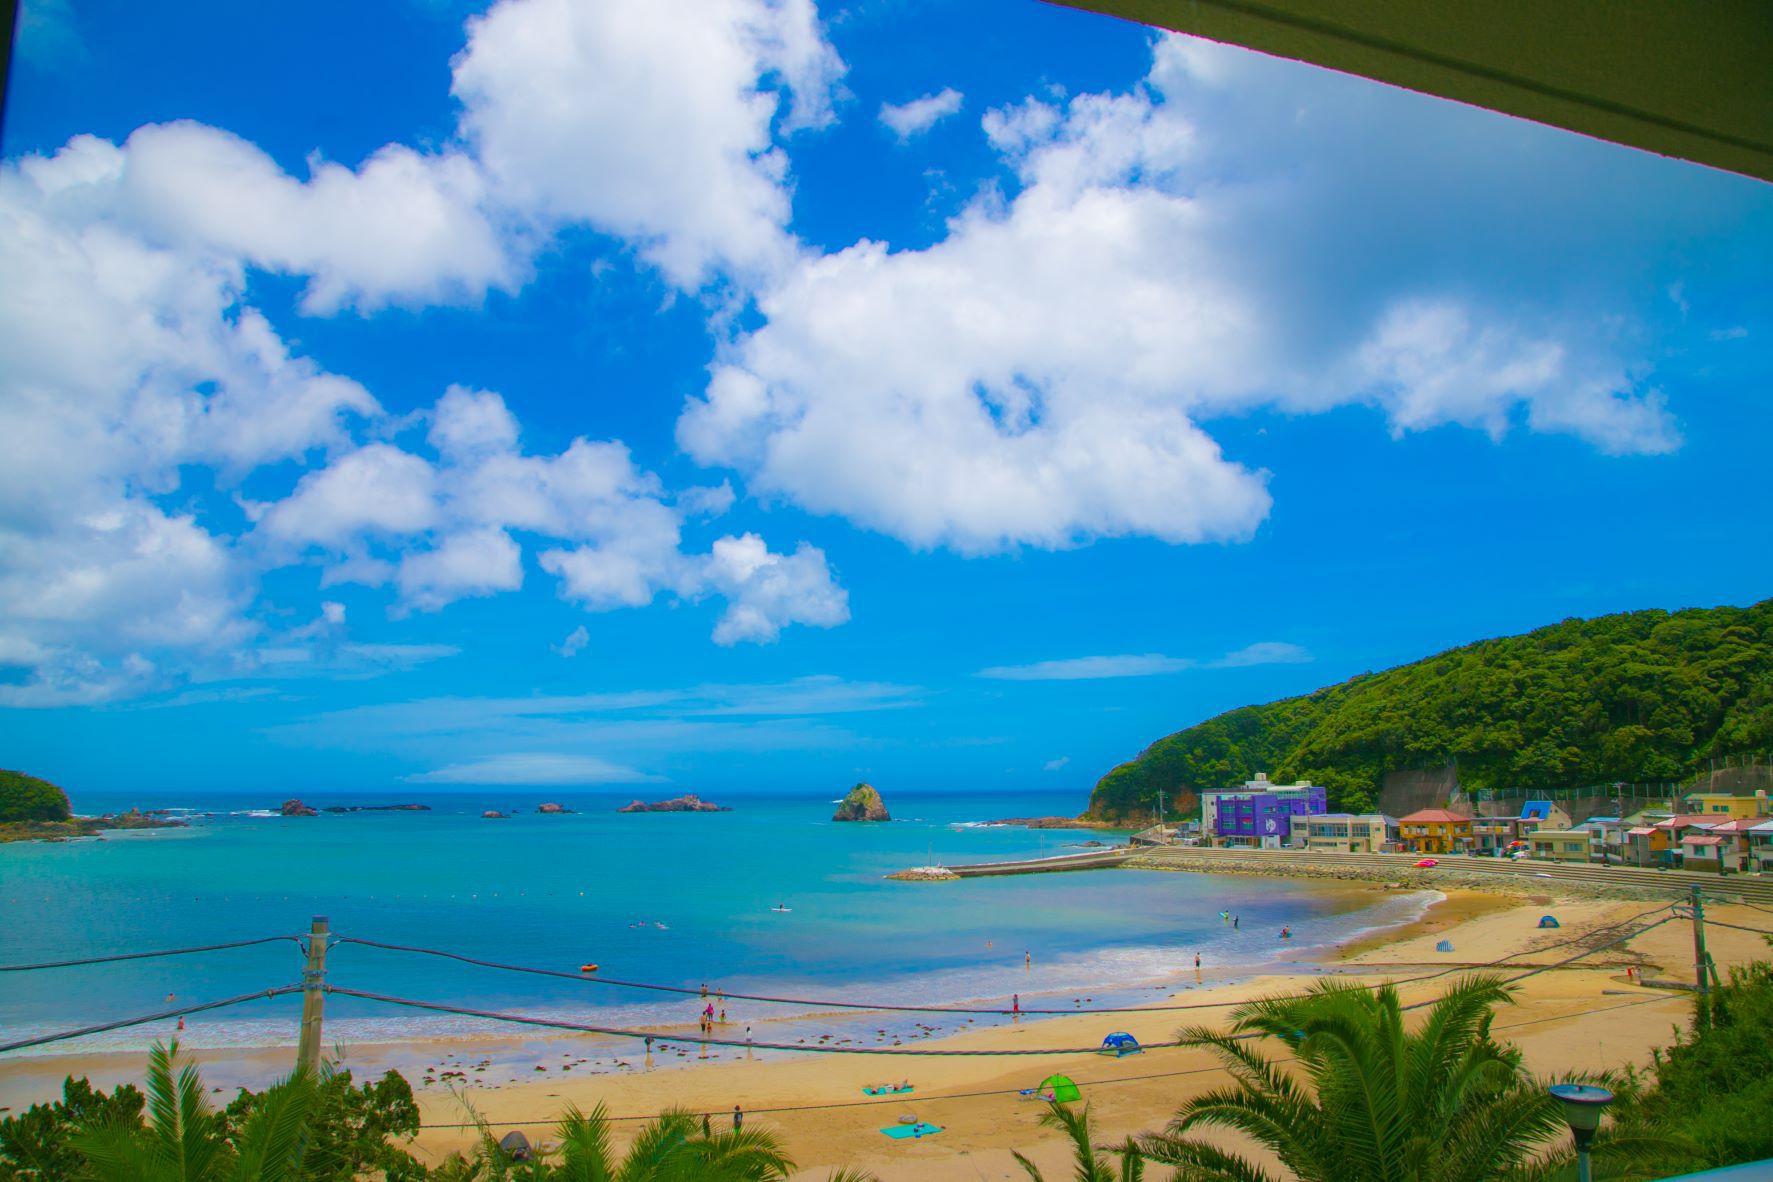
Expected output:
{"points": [[1718, 923], [930, 1052], [705, 1040], [180, 1012], [888, 1007], [900, 1102], [67, 964]]}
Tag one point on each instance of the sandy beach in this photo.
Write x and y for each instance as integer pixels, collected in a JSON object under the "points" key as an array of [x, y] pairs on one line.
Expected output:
{"points": [[1589, 1015]]}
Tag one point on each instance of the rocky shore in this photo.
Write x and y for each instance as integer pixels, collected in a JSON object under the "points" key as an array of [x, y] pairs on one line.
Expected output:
{"points": [[1054, 823], [1439, 879], [83, 826]]}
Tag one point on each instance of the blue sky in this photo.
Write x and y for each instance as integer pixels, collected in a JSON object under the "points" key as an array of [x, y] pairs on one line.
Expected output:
{"points": [[957, 395]]}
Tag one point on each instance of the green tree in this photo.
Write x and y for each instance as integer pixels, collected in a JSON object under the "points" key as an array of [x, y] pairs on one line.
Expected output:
{"points": [[669, 1148], [186, 1141], [36, 1145], [1377, 1102], [351, 1130], [26, 798], [1714, 1085], [1090, 1163]]}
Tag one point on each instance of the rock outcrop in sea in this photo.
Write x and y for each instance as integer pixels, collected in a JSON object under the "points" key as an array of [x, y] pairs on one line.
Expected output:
{"points": [[687, 803], [551, 807], [862, 803], [493, 815], [295, 808]]}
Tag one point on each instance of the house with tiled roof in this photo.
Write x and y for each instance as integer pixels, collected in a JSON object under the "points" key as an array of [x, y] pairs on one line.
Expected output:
{"points": [[1435, 831], [1704, 851]]}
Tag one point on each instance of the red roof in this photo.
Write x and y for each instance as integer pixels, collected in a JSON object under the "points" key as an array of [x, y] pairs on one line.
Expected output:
{"points": [[1641, 832], [1696, 839], [1433, 815], [1738, 825]]}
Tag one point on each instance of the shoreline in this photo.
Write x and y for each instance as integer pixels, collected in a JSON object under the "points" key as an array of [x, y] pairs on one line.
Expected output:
{"points": [[1562, 1020]]}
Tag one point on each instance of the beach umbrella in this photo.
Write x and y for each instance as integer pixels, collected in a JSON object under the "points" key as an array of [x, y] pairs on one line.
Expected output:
{"points": [[1059, 1087]]}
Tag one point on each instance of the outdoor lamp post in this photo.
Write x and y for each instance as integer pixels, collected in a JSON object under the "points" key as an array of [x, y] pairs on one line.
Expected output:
{"points": [[1582, 1108]]}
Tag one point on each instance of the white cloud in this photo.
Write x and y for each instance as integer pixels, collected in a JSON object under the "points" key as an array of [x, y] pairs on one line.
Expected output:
{"points": [[1053, 765], [650, 121], [474, 562], [404, 227], [575, 642], [906, 120], [540, 768], [1089, 668], [765, 592], [129, 352], [1041, 375], [1266, 652], [377, 489], [441, 530]]}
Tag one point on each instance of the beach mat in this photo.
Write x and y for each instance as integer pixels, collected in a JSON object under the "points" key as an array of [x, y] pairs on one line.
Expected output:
{"points": [[887, 1091], [901, 1132]]}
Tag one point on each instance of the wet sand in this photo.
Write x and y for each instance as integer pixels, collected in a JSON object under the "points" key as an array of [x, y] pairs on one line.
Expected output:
{"points": [[1588, 1016]]}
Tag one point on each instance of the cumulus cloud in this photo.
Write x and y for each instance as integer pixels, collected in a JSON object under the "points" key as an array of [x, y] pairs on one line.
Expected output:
{"points": [[1053, 765], [1089, 668], [651, 121], [765, 592], [130, 352], [1041, 375], [440, 528], [913, 118]]}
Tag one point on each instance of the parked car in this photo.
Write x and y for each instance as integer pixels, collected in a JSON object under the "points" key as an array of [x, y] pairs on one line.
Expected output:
{"points": [[1425, 863]]}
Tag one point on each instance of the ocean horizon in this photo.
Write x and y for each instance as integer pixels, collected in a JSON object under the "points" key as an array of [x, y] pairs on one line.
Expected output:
{"points": [[670, 898]]}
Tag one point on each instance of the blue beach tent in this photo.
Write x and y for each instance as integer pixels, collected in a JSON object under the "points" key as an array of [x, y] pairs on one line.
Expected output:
{"points": [[1121, 1043], [1444, 946], [1549, 921]]}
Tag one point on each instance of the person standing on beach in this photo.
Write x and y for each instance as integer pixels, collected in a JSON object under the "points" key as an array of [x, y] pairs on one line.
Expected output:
{"points": [[738, 1118], [1015, 1007], [723, 1015], [1197, 962], [1028, 960]]}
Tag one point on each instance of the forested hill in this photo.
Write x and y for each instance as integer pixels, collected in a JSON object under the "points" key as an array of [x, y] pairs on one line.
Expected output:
{"points": [[26, 798], [1648, 695]]}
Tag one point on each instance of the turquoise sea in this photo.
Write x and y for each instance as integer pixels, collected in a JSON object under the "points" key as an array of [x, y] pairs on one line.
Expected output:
{"points": [[680, 899]]}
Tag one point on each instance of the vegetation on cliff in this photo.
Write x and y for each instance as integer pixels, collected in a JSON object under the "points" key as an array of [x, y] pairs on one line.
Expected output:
{"points": [[1649, 695], [862, 803], [26, 798]]}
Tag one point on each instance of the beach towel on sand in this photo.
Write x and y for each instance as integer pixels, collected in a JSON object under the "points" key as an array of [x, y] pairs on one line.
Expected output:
{"points": [[900, 1132]]}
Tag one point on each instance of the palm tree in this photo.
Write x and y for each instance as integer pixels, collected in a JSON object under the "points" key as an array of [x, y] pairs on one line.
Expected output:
{"points": [[1092, 1166], [1370, 1101], [669, 1148], [186, 1142]]}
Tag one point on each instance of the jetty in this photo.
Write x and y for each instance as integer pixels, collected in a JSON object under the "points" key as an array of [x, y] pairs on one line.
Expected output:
{"points": [[1462, 870], [1088, 860]]}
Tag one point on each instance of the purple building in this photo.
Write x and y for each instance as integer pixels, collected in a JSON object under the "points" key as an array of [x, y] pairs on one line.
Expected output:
{"points": [[1262, 814]]}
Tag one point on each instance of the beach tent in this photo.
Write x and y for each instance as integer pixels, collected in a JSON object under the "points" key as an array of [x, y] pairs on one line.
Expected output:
{"points": [[1121, 1043], [1549, 921], [1444, 946], [1059, 1087]]}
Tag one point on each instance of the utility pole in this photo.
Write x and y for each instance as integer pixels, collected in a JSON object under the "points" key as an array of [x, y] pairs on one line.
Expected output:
{"points": [[1160, 814], [1699, 959], [313, 998]]}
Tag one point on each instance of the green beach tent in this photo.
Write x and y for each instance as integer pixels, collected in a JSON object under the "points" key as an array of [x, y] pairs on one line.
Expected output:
{"points": [[1059, 1087]]}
